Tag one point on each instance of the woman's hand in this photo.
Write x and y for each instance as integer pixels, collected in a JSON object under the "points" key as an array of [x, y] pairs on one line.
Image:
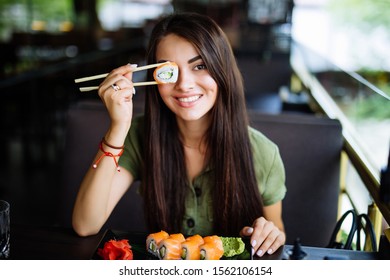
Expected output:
{"points": [[116, 92], [264, 236]]}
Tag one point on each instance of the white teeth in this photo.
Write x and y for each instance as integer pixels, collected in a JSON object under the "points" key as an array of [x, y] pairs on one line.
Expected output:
{"points": [[189, 99]]}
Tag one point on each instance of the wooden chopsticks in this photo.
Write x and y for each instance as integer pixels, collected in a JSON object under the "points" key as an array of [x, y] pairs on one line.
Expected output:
{"points": [[100, 76]]}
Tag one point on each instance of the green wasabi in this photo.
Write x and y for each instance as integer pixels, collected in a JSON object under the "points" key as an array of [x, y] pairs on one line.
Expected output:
{"points": [[232, 246]]}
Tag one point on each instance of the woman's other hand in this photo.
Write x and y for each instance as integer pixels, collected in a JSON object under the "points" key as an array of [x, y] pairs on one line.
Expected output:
{"points": [[265, 236]]}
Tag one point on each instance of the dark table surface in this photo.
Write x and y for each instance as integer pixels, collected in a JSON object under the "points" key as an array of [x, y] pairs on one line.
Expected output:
{"points": [[56, 243], [46, 243]]}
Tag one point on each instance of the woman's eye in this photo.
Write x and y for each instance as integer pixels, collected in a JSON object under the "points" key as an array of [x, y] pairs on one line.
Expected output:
{"points": [[200, 67]]}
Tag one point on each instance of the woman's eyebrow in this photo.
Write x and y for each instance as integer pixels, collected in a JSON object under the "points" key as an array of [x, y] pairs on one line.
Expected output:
{"points": [[194, 59], [189, 61]]}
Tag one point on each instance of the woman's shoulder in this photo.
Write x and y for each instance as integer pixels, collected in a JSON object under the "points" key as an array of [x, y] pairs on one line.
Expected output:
{"points": [[269, 167], [264, 149], [259, 140]]}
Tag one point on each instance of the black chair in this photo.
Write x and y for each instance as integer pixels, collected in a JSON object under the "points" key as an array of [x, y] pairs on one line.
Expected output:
{"points": [[310, 148], [87, 123]]}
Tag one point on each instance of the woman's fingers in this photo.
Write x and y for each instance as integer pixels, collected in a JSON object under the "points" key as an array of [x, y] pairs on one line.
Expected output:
{"points": [[279, 240], [268, 237], [246, 231], [118, 85], [116, 92], [121, 73], [260, 232], [265, 236]]}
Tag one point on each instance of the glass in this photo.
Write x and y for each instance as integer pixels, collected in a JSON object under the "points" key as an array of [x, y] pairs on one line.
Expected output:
{"points": [[336, 55], [362, 107], [353, 74], [4, 230]]}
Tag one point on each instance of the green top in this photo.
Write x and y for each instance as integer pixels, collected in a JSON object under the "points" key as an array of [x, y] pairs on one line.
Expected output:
{"points": [[198, 218]]}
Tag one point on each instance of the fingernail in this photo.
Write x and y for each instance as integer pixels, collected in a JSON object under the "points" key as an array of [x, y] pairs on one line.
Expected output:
{"points": [[249, 230], [259, 253], [254, 242], [133, 91], [270, 251], [133, 65]]}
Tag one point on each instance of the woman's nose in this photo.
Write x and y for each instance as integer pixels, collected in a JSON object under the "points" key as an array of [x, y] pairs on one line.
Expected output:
{"points": [[185, 80]]}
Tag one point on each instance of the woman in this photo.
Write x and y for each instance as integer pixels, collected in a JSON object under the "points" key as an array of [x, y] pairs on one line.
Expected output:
{"points": [[203, 170]]}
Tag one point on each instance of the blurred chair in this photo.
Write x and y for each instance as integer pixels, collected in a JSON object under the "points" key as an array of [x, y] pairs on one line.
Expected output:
{"points": [[310, 147], [87, 123]]}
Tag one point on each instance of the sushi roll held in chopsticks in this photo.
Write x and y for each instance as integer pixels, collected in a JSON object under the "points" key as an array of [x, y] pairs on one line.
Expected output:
{"points": [[166, 73], [153, 240]]}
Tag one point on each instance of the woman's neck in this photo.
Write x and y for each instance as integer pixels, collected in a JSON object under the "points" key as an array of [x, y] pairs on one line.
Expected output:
{"points": [[192, 132]]}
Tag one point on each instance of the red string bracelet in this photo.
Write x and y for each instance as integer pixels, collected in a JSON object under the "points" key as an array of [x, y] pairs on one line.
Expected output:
{"points": [[107, 154], [111, 146]]}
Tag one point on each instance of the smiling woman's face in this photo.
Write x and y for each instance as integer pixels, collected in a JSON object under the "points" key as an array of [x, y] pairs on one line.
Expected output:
{"points": [[195, 92]]}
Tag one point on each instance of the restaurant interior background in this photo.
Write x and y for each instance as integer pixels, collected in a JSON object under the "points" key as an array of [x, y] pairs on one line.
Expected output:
{"points": [[46, 44]]}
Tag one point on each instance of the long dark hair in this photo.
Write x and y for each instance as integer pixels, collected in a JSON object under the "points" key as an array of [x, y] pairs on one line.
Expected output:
{"points": [[236, 199]]}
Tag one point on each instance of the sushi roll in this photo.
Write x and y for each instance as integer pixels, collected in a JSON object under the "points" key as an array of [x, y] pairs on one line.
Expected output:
{"points": [[209, 251], [178, 236], [170, 249], [197, 238], [166, 73], [212, 249], [190, 247], [190, 250], [153, 240], [215, 239]]}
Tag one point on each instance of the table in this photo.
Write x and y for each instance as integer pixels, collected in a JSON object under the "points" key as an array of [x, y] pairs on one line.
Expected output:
{"points": [[51, 243], [58, 243], [316, 253]]}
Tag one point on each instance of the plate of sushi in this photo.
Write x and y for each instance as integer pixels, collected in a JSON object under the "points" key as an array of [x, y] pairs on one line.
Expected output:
{"points": [[175, 246]]}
